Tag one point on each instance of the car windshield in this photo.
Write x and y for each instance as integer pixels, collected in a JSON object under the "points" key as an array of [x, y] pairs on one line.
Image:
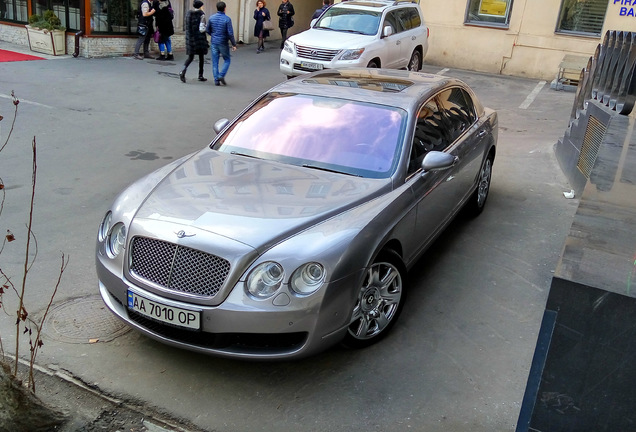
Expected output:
{"points": [[355, 138], [350, 20]]}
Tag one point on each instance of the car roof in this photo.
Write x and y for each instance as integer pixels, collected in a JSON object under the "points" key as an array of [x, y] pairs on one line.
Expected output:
{"points": [[372, 4], [391, 87]]}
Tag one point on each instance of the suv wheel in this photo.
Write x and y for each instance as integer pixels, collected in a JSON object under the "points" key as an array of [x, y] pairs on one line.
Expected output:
{"points": [[373, 64], [415, 62]]}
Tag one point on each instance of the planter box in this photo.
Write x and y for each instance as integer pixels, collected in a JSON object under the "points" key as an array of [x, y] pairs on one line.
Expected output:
{"points": [[48, 42]]}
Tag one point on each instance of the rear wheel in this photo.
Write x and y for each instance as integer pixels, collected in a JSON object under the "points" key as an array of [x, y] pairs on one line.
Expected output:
{"points": [[415, 62], [477, 201], [379, 303]]}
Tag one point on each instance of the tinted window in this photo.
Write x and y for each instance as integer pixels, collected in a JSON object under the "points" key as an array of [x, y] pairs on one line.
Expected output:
{"points": [[393, 20], [430, 134], [459, 109], [328, 133], [410, 18]]}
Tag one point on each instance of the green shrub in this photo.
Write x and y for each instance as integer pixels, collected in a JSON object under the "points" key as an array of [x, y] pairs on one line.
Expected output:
{"points": [[46, 21]]}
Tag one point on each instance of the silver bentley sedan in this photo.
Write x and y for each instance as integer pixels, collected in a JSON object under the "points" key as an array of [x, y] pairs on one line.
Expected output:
{"points": [[294, 229]]}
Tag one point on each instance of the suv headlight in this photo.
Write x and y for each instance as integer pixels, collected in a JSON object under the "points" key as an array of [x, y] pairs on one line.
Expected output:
{"points": [[265, 280], [289, 47], [351, 54]]}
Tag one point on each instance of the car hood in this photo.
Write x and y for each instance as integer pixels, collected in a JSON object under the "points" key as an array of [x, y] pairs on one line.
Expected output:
{"points": [[255, 202], [328, 39]]}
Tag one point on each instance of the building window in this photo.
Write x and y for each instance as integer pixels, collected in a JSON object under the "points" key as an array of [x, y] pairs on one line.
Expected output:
{"points": [[493, 13], [584, 17], [14, 10]]}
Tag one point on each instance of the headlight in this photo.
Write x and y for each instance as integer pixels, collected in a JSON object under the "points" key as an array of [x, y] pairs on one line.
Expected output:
{"points": [[289, 47], [308, 278], [351, 54], [265, 280], [104, 227], [117, 239]]}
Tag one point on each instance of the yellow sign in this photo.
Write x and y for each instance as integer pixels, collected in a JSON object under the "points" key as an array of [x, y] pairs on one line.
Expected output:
{"points": [[493, 7]]}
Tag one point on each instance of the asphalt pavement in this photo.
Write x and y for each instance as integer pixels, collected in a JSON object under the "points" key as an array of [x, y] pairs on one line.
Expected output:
{"points": [[457, 360]]}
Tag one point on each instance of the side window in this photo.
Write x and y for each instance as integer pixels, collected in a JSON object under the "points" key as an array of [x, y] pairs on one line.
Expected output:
{"points": [[392, 20], [409, 18], [430, 134], [459, 109]]}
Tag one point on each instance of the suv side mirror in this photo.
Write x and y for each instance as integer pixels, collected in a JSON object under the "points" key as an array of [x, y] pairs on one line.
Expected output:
{"points": [[387, 31]]}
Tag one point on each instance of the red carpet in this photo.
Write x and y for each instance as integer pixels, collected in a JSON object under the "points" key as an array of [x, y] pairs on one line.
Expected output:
{"points": [[7, 56]]}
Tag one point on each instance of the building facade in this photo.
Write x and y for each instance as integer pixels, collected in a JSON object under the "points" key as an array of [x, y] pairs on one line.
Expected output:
{"points": [[513, 37], [528, 38]]}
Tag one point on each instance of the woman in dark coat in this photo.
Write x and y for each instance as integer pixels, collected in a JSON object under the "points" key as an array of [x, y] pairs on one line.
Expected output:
{"points": [[163, 21], [286, 20], [196, 40], [261, 14]]}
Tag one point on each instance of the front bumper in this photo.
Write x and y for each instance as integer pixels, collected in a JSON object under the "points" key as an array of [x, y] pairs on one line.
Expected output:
{"points": [[241, 327]]}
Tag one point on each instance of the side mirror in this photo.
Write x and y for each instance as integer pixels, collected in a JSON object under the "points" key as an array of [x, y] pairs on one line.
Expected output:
{"points": [[437, 161], [220, 125], [387, 31], [313, 22]]}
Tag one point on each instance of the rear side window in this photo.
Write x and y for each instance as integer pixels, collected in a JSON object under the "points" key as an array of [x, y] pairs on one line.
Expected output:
{"points": [[459, 110], [409, 17]]}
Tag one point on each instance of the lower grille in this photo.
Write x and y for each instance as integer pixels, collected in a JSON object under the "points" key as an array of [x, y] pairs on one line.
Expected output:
{"points": [[177, 268], [238, 342]]}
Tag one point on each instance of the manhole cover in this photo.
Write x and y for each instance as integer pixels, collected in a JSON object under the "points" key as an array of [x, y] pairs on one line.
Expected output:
{"points": [[83, 320]]}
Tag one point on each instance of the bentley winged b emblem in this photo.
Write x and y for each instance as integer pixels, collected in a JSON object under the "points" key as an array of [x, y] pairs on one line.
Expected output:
{"points": [[182, 234]]}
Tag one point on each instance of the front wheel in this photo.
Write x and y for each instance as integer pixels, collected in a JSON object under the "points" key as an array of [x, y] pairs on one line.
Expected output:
{"points": [[373, 64], [414, 64], [379, 303]]}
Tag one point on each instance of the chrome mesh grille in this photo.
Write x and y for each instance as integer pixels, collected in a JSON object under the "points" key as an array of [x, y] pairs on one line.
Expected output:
{"points": [[177, 268], [315, 54], [592, 140]]}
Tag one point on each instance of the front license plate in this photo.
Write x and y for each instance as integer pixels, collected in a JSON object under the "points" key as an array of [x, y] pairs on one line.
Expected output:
{"points": [[169, 314], [310, 65]]}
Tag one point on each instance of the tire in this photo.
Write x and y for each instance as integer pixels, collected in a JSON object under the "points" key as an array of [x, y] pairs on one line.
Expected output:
{"points": [[379, 302], [373, 64], [477, 200], [415, 64]]}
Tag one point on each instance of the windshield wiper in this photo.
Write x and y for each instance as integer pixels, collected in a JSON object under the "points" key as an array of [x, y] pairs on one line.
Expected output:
{"points": [[246, 155], [352, 31], [330, 170]]}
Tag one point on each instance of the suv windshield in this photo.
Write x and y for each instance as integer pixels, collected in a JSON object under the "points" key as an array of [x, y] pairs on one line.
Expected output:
{"points": [[325, 133], [350, 20]]}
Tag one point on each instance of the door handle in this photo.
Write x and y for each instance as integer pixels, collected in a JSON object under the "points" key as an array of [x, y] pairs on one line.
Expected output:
{"points": [[481, 133]]}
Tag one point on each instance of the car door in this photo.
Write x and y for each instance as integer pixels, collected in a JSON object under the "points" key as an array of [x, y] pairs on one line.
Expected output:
{"points": [[391, 46], [467, 136], [435, 191], [410, 20]]}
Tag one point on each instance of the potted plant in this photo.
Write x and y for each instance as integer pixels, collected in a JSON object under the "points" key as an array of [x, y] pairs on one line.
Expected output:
{"points": [[46, 34]]}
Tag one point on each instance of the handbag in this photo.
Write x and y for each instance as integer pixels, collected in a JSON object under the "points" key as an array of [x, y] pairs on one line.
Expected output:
{"points": [[142, 29], [268, 25], [202, 24], [157, 36]]}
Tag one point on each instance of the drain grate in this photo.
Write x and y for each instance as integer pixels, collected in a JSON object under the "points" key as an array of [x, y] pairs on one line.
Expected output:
{"points": [[83, 320]]}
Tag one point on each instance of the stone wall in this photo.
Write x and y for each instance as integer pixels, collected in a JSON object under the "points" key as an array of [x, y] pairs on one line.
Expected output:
{"points": [[94, 46]]}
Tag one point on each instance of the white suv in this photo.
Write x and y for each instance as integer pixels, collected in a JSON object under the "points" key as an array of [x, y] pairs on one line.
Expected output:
{"points": [[361, 33]]}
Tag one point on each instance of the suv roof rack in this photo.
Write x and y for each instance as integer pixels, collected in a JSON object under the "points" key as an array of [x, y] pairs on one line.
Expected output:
{"points": [[386, 2]]}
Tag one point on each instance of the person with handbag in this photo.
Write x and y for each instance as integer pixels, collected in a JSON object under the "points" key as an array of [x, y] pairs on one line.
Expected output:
{"points": [[165, 27], [263, 24], [286, 19], [196, 40], [145, 30]]}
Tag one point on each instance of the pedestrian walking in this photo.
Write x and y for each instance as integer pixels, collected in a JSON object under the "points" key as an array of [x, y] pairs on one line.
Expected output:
{"points": [[261, 14], [326, 4], [145, 29], [163, 20], [286, 19], [196, 40], [221, 32]]}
